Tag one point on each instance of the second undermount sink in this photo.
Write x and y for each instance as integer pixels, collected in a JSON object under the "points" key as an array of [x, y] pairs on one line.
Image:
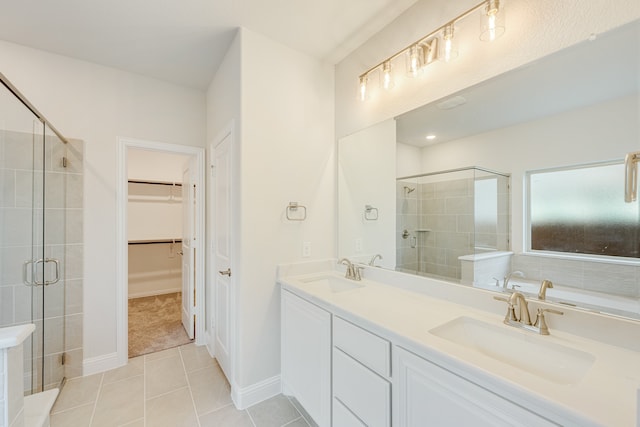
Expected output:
{"points": [[332, 284], [528, 352]]}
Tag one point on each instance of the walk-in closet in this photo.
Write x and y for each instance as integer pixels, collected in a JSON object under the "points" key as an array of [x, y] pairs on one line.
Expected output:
{"points": [[154, 227]]}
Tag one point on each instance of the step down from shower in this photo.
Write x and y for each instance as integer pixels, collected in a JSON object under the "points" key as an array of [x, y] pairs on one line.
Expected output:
{"points": [[37, 408]]}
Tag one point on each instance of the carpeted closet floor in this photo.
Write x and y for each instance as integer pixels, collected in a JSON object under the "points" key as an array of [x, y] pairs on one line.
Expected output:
{"points": [[155, 324]]}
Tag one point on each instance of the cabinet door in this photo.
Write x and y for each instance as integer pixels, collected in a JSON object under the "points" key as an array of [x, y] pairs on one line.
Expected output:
{"points": [[424, 394], [306, 356]]}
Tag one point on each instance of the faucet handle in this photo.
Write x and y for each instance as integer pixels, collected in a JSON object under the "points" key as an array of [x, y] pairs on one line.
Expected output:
{"points": [[541, 323], [511, 312], [357, 272]]}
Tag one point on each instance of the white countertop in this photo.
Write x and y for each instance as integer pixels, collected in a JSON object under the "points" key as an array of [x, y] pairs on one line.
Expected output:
{"points": [[606, 395], [15, 335]]}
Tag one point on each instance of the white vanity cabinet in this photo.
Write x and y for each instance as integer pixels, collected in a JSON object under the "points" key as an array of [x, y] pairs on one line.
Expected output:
{"points": [[306, 356], [427, 394], [361, 377]]}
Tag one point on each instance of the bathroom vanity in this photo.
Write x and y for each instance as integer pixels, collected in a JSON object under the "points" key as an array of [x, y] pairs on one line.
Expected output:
{"points": [[400, 350]]}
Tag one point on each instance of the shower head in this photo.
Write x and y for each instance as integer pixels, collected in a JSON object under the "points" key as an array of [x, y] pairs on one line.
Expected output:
{"points": [[408, 189]]}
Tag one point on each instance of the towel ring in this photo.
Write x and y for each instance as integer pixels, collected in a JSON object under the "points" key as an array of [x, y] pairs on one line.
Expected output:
{"points": [[292, 208]]}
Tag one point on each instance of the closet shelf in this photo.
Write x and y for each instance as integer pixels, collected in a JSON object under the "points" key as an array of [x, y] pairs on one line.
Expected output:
{"points": [[151, 242], [136, 181]]}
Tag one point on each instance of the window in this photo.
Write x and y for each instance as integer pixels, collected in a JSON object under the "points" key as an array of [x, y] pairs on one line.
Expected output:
{"points": [[581, 210]]}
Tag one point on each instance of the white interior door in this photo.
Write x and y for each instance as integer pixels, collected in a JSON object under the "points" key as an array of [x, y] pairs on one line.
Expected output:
{"points": [[188, 248], [222, 251]]}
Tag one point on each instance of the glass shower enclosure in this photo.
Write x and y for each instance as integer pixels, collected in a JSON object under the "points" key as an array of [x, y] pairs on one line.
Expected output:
{"points": [[442, 217], [33, 236]]}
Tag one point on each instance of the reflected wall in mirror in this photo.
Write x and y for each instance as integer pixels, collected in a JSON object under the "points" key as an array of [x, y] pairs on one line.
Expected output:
{"points": [[578, 106]]}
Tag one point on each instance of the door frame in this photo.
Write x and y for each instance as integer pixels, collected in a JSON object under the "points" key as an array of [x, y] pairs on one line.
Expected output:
{"points": [[122, 261]]}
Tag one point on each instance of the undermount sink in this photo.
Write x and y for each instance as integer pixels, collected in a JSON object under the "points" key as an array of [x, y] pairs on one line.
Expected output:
{"points": [[531, 353], [332, 284]]}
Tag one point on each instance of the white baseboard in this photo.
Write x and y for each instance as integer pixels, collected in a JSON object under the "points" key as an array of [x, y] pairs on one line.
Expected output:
{"points": [[154, 293], [99, 364], [256, 393]]}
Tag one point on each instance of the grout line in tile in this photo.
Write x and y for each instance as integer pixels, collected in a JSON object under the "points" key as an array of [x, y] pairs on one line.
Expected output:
{"points": [[168, 392], [95, 404], [193, 402], [250, 418], [293, 421]]}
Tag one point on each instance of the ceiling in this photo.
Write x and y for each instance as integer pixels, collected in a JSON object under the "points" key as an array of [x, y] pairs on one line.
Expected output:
{"points": [[184, 41], [607, 67]]}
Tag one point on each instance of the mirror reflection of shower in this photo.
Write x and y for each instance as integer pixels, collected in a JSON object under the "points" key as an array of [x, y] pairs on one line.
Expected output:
{"points": [[453, 214]]}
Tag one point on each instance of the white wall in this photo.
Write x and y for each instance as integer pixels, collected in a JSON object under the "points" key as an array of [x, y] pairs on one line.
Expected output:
{"points": [[287, 154], [534, 28], [281, 105], [97, 104], [367, 177]]}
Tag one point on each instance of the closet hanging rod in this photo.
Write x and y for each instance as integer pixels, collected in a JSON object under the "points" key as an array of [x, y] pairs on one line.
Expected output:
{"points": [[136, 181], [153, 242]]}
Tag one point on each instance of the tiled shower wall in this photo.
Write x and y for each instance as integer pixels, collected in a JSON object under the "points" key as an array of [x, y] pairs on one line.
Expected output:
{"points": [[62, 223], [442, 224]]}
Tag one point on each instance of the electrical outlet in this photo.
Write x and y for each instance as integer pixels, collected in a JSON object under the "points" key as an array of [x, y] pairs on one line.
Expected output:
{"points": [[306, 249], [359, 244]]}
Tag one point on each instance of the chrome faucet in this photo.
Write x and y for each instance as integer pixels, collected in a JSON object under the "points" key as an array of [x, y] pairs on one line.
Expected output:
{"points": [[507, 278], [353, 271], [373, 260], [542, 293]]}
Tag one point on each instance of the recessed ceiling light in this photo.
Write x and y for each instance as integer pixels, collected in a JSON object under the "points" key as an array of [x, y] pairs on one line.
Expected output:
{"points": [[431, 137]]}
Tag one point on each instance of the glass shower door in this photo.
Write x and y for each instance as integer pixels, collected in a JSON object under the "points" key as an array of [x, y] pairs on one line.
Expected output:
{"points": [[29, 270]]}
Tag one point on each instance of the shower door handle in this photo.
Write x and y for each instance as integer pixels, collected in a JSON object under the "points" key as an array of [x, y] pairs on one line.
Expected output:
{"points": [[57, 278], [25, 273], [414, 241], [42, 261]]}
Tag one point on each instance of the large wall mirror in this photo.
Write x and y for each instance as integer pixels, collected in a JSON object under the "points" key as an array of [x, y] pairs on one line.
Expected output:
{"points": [[520, 174]]}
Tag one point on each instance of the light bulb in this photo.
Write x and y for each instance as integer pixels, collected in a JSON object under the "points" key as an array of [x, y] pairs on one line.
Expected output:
{"points": [[414, 60], [492, 21], [448, 47], [363, 88], [387, 77]]}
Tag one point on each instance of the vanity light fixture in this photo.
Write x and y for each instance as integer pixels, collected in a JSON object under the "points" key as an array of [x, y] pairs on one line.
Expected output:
{"points": [[449, 45], [414, 60], [387, 76], [492, 21], [431, 137], [363, 87], [440, 43]]}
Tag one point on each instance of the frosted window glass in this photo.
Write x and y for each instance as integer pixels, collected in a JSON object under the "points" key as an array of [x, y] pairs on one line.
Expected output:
{"points": [[582, 211]]}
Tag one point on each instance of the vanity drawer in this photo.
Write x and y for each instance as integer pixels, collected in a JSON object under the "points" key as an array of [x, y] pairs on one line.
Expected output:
{"points": [[366, 394], [342, 417], [369, 349]]}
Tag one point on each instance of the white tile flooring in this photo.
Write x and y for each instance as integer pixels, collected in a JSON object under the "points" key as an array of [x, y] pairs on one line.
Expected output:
{"points": [[179, 387]]}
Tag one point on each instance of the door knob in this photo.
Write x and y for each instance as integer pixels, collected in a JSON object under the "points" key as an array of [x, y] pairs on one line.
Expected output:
{"points": [[226, 272]]}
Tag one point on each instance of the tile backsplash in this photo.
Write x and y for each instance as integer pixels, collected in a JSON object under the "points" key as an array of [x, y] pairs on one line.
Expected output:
{"points": [[610, 278]]}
